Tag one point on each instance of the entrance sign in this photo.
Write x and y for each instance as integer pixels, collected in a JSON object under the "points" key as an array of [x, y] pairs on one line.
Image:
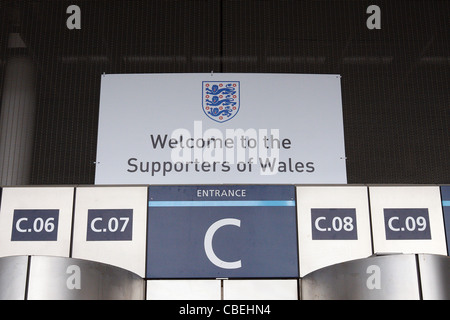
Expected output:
{"points": [[407, 219], [233, 128], [222, 231]]}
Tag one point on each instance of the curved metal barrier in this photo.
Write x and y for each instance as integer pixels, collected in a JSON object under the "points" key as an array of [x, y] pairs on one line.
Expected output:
{"points": [[59, 278], [390, 277]]}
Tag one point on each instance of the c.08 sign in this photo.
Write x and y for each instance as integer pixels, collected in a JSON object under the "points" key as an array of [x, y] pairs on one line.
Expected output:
{"points": [[337, 224], [334, 224]]}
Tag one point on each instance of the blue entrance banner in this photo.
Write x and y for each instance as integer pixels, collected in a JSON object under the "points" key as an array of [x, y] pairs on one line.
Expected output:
{"points": [[221, 203], [222, 232]]}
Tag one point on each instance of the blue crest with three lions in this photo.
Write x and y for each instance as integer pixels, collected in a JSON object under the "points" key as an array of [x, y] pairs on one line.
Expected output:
{"points": [[220, 99]]}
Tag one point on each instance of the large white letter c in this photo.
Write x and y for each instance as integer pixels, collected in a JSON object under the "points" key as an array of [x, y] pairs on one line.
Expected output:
{"points": [[208, 244]]}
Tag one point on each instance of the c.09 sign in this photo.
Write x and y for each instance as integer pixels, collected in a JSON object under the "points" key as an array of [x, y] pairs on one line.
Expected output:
{"points": [[407, 224]]}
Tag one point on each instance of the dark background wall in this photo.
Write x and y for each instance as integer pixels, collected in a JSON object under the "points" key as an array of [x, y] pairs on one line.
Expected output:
{"points": [[395, 81]]}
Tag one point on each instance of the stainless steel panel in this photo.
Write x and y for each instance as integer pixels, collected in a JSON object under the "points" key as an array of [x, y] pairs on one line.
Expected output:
{"points": [[13, 277], [375, 278], [435, 276], [59, 278]]}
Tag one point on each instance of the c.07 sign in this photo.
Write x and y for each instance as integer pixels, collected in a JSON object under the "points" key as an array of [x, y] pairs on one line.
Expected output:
{"points": [[109, 225]]}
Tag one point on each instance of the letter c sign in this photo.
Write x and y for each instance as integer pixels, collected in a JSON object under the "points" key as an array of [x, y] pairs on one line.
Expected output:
{"points": [[208, 244], [196, 235]]}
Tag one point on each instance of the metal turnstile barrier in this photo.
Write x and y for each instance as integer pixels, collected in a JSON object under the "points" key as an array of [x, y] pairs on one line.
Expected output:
{"points": [[390, 277], [59, 278]]}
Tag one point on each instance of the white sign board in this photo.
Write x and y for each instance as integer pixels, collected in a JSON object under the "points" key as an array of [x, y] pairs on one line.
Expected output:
{"points": [[227, 128], [36, 221], [260, 289], [407, 219], [182, 289], [110, 226], [333, 225]]}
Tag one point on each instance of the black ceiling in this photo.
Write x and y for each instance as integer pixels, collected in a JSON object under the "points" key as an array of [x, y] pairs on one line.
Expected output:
{"points": [[395, 81]]}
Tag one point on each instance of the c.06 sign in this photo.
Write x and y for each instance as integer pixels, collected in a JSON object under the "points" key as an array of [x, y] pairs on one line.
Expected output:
{"points": [[35, 225]]}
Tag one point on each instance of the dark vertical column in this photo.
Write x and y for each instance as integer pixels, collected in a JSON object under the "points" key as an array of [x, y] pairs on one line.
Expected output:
{"points": [[17, 115]]}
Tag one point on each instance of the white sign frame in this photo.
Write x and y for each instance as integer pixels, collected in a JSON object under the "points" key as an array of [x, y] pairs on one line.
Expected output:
{"points": [[128, 254], [316, 254], [404, 197], [285, 128], [36, 198]]}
